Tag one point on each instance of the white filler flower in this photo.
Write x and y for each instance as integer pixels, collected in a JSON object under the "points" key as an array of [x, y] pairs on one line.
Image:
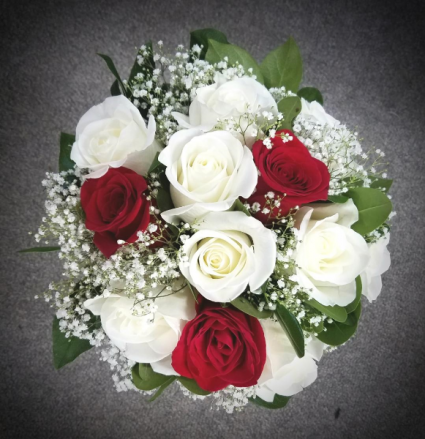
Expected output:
{"points": [[225, 99], [379, 263], [229, 252], [284, 373], [141, 338], [114, 134], [207, 172], [330, 255]]}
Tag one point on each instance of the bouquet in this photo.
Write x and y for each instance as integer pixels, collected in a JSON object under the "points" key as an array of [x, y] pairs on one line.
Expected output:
{"points": [[217, 227]]}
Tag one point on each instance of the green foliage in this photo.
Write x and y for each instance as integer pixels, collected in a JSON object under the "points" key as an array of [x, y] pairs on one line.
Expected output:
{"points": [[66, 142], [283, 67], [238, 206], [217, 51], [337, 313], [66, 350], [40, 250], [164, 200], [384, 183], [338, 333], [247, 307], [144, 377], [310, 94], [337, 198], [163, 386], [115, 89], [114, 71], [373, 206], [279, 402], [201, 37], [156, 165], [355, 303], [292, 328], [290, 107], [192, 386]]}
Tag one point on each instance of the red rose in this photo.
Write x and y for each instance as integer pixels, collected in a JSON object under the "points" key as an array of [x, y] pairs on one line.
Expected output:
{"points": [[221, 347], [288, 168], [115, 208]]}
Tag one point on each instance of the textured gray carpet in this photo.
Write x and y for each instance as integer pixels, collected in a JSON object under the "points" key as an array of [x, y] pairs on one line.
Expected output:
{"points": [[365, 57]]}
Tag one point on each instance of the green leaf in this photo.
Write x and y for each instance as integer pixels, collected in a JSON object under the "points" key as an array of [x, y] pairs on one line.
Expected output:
{"points": [[238, 206], [164, 200], [115, 89], [144, 378], [290, 107], [40, 250], [156, 165], [283, 67], [66, 142], [114, 71], [279, 402], [373, 206], [355, 303], [292, 328], [217, 51], [337, 198], [244, 305], [201, 37], [311, 94], [338, 333], [162, 388], [381, 183], [193, 386], [65, 349], [337, 313]]}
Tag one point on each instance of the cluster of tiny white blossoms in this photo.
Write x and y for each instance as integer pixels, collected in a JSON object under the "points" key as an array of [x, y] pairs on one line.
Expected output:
{"points": [[121, 367], [183, 74], [340, 150], [234, 398]]}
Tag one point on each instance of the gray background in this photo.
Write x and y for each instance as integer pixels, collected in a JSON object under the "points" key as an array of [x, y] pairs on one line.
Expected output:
{"points": [[366, 58]]}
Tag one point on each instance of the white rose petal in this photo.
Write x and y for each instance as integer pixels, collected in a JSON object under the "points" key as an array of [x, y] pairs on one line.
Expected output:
{"points": [[379, 263], [330, 255], [207, 172], [284, 373], [314, 112], [138, 337], [229, 252], [225, 99], [114, 134]]}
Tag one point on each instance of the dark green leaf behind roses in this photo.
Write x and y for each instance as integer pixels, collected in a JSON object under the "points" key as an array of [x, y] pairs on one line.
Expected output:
{"points": [[66, 142], [66, 350], [201, 37], [217, 51], [292, 328], [279, 402], [338, 333], [283, 67]]}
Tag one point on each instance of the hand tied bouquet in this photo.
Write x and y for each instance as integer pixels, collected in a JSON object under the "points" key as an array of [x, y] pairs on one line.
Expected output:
{"points": [[217, 227]]}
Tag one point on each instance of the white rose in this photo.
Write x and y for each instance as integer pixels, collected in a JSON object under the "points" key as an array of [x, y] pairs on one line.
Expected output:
{"points": [[284, 372], [314, 112], [330, 255], [379, 263], [225, 99], [229, 252], [138, 337], [114, 134], [207, 172]]}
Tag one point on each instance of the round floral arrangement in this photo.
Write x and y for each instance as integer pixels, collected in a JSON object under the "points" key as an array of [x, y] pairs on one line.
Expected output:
{"points": [[217, 227]]}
